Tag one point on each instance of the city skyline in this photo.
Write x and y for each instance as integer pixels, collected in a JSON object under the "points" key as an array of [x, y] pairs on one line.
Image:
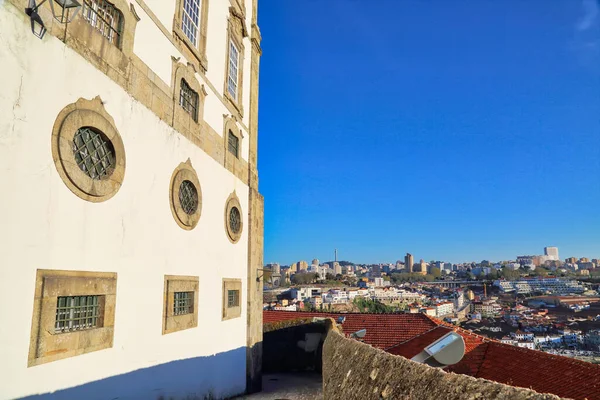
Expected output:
{"points": [[427, 130], [402, 259]]}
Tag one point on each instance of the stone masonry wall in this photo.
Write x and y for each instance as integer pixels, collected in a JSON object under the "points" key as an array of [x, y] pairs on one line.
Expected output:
{"points": [[354, 370]]}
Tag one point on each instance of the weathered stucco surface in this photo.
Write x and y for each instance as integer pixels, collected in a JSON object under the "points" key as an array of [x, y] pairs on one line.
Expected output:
{"points": [[354, 370]]}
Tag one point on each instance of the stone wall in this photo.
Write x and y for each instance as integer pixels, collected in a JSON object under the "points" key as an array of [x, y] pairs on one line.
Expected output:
{"points": [[354, 370]]}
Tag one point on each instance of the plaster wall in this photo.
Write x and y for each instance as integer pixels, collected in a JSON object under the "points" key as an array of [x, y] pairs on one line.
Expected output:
{"points": [[44, 225]]}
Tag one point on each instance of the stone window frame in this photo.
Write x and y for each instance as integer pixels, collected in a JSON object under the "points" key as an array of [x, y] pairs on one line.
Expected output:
{"points": [[46, 345], [184, 171], [197, 51], [179, 283], [182, 120], [86, 113], [233, 201], [81, 29], [231, 162], [236, 32], [228, 313]]}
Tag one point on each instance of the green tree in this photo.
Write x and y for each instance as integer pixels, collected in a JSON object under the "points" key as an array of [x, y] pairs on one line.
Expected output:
{"points": [[436, 272]]}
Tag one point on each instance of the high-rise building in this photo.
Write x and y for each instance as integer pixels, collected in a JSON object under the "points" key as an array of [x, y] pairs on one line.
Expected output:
{"points": [[422, 267], [337, 268], [315, 261], [409, 260], [552, 253], [128, 163], [302, 266], [571, 260], [584, 260]]}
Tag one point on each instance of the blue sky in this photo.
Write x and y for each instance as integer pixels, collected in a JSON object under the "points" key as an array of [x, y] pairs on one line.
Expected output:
{"points": [[454, 130]]}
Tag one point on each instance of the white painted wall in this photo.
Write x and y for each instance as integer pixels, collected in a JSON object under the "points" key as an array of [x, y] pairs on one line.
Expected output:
{"points": [[44, 225]]}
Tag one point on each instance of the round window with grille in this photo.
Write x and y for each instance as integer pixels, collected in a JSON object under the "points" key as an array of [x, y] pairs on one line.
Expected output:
{"points": [[234, 223], [88, 151], [94, 153], [185, 196], [235, 220], [188, 197]]}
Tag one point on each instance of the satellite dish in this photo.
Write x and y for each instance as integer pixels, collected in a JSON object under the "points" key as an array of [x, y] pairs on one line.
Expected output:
{"points": [[359, 334], [447, 350]]}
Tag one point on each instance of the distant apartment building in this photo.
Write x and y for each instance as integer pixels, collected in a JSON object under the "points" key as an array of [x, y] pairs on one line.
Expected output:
{"points": [[486, 308], [422, 267], [551, 253], [316, 301], [335, 296], [444, 309], [337, 268], [302, 266], [304, 293], [571, 260], [409, 261], [527, 260], [543, 285]]}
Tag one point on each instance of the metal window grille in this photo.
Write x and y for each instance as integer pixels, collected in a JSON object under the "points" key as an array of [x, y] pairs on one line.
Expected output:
{"points": [[235, 220], [188, 197], [74, 313], [233, 144], [188, 99], [94, 153], [105, 17], [232, 78], [190, 20], [183, 303], [233, 298]]}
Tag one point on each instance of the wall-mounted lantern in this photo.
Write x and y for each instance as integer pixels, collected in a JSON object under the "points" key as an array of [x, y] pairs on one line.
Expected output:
{"points": [[66, 6], [68, 10], [37, 25]]}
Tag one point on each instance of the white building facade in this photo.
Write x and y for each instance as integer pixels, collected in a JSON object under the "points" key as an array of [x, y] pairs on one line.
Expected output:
{"points": [[130, 218]]}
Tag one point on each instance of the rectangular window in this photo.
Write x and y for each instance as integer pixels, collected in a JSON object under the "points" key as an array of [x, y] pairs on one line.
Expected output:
{"points": [[233, 144], [190, 21], [188, 99], [232, 78], [233, 298], [75, 313], [106, 18], [183, 303]]}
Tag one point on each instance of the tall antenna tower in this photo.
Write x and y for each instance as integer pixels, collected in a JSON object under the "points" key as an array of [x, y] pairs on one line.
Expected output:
{"points": [[335, 255]]}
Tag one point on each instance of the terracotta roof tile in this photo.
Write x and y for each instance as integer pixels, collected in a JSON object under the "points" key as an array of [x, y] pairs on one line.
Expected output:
{"points": [[383, 330]]}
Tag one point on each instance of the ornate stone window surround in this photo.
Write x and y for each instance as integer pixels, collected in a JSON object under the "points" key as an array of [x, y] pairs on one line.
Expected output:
{"points": [[47, 345], [236, 32], [232, 235], [198, 51], [184, 172], [86, 113], [178, 283], [84, 31], [182, 120], [234, 311]]}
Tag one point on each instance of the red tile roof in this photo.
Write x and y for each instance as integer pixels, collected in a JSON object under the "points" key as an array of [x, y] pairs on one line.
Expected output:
{"points": [[383, 330], [408, 334], [542, 372]]}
